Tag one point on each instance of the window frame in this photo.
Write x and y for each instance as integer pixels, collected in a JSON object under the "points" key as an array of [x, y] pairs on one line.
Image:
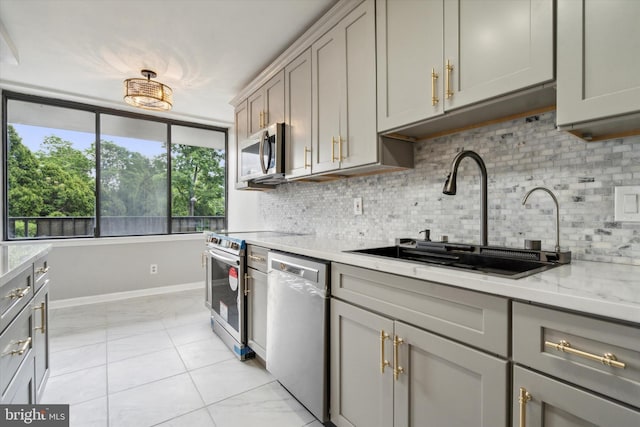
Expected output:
{"points": [[98, 112]]}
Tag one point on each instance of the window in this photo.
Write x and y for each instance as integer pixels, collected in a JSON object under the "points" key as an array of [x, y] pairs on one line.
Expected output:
{"points": [[74, 170]]}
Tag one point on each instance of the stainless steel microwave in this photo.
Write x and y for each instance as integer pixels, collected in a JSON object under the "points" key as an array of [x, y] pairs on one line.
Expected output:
{"points": [[261, 156]]}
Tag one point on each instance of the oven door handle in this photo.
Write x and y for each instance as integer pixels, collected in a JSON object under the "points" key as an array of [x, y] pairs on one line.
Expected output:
{"points": [[224, 259]]}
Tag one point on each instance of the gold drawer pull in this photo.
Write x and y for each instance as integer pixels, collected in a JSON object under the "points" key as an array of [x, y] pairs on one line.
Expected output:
{"points": [[397, 369], [19, 293], [24, 345], [608, 359], [43, 317], [523, 397], [257, 258], [383, 362], [42, 270], [333, 143]]}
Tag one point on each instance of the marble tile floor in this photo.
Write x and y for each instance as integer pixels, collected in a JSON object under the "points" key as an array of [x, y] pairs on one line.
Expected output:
{"points": [[154, 361]]}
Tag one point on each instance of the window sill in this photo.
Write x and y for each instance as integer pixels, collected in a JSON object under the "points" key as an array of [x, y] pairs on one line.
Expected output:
{"points": [[123, 240]]}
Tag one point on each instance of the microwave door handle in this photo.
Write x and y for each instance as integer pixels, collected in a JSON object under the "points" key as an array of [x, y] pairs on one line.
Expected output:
{"points": [[264, 137], [224, 259]]}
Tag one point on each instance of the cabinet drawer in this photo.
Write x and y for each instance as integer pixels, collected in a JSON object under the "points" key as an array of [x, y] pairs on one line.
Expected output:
{"points": [[538, 333], [15, 347], [14, 295], [257, 257], [40, 272], [470, 317]]}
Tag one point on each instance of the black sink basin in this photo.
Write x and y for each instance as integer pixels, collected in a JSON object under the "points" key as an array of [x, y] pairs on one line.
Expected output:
{"points": [[499, 261]]}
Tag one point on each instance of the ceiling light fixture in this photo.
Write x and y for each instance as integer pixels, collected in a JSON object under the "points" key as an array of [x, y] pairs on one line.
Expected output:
{"points": [[147, 93]]}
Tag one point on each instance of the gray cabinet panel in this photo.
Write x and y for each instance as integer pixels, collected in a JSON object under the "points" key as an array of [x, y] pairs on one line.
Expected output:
{"points": [[598, 59], [533, 326], [361, 395], [298, 116], [556, 404], [16, 344], [447, 384], [14, 295], [470, 317], [40, 308], [257, 312]]}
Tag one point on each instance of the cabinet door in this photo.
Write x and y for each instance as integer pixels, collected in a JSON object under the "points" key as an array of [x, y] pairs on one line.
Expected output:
{"points": [[447, 384], [554, 403], [496, 47], [255, 108], [242, 130], [361, 394], [298, 116], [274, 100], [257, 312], [410, 45], [358, 136], [598, 59], [40, 334], [327, 78]]}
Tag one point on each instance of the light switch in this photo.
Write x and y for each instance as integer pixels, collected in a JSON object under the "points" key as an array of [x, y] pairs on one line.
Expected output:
{"points": [[627, 203]]}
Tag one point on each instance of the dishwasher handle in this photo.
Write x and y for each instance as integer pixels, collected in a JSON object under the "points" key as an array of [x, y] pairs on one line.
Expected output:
{"points": [[307, 273]]}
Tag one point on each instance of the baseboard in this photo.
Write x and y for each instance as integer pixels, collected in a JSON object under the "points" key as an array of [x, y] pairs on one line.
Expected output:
{"points": [[115, 296]]}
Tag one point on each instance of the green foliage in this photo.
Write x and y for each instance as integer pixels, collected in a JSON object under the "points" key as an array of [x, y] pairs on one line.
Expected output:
{"points": [[59, 180]]}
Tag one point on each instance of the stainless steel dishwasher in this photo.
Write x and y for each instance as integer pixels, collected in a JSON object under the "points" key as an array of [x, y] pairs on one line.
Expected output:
{"points": [[297, 328]]}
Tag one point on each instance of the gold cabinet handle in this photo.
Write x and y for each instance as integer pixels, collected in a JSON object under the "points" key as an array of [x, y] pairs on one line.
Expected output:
{"points": [[43, 317], [608, 359], [260, 121], [42, 270], [24, 345], [448, 91], [246, 284], [265, 118], [434, 93], [523, 397], [340, 158], [306, 150], [19, 293], [333, 143], [257, 258], [203, 260], [383, 362], [397, 369]]}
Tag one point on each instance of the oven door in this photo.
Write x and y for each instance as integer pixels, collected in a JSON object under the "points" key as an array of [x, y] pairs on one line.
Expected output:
{"points": [[225, 286]]}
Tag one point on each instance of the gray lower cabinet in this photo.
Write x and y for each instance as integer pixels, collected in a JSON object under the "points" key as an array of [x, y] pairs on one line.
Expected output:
{"points": [[539, 401], [40, 324], [387, 373], [24, 344], [256, 290]]}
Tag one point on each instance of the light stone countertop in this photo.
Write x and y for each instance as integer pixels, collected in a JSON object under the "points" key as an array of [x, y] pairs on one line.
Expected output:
{"points": [[13, 257], [603, 289]]}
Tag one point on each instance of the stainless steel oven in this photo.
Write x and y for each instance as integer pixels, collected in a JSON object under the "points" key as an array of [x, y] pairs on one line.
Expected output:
{"points": [[261, 156], [225, 291]]}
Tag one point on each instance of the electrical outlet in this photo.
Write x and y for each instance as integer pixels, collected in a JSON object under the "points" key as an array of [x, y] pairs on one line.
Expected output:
{"points": [[357, 206], [153, 269]]}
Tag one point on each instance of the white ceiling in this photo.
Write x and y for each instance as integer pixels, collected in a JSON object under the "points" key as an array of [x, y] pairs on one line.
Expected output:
{"points": [[206, 50]]}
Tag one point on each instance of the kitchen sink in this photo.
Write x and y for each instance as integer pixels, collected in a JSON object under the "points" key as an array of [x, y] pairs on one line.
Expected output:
{"points": [[493, 260]]}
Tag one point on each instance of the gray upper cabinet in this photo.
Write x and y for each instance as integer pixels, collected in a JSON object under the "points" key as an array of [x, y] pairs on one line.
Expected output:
{"points": [[297, 93], [266, 105], [436, 56], [598, 60], [344, 93], [410, 51], [242, 131]]}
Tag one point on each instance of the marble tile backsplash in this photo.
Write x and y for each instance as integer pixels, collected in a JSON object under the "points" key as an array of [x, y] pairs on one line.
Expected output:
{"points": [[519, 155]]}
